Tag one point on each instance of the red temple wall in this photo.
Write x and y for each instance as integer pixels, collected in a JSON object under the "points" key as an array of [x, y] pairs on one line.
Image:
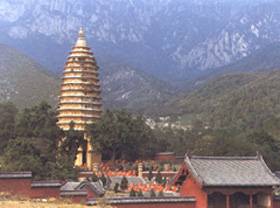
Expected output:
{"points": [[20, 186], [45, 192], [90, 193], [191, 188]]}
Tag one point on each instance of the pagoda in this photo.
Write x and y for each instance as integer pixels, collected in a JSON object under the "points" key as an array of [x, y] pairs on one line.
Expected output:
{"points": [[80, 96]]}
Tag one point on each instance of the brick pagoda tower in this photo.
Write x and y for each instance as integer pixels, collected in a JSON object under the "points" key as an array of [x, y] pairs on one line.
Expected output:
{"points": [[80, 99]]}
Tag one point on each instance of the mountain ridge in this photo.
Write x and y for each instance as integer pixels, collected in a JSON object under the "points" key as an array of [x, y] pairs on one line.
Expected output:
{"points": [[172, 40], [26, 83]]}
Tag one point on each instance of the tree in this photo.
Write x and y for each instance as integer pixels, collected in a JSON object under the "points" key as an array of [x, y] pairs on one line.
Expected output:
{"points": [[33, 144], [161, 194], [140, 193], [116, 187], [8, 114], [103, 179], [94, 177], [124, 183], [153, 193], [122, 135], [159, 177], [22, 154], [150, 174], [38, 121], [132, 193], [70, 143]]}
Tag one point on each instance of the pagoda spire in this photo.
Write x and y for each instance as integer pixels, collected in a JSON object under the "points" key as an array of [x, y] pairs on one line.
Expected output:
{"points": [[81, 41]]}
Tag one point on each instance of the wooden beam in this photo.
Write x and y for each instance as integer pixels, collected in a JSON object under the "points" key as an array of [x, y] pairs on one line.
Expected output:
{"points": [[227, 201]]}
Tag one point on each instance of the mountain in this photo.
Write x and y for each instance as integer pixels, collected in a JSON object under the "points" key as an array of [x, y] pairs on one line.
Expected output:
{"points": [[262, 60], [245, 100], [127, 88], [26, 83], [23, 81], [176, 40]]}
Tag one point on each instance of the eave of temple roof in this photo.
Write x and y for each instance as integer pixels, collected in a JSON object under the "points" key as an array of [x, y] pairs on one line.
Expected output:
{"points": [[231, 171]]}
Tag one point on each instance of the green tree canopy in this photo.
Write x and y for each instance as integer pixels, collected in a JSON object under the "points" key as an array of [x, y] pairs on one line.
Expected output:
{"points": [[123, 136], [8, 114], [32, 138]]}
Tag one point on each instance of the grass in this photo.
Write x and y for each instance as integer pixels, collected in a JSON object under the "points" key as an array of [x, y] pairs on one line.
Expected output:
{"points": [[33, 204]]}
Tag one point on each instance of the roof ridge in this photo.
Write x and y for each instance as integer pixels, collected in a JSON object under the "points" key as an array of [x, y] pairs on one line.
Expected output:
{"points": [[192, 170], [225, 157], [206, 169]]}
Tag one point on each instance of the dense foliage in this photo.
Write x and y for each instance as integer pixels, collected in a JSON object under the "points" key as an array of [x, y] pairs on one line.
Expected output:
{"points": [[29, 140], [239, 101], [119, 135], [223, 142]]}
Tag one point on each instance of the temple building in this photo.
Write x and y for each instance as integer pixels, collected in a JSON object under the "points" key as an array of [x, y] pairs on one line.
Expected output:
{"points": [[228, 182], [80, 99]]}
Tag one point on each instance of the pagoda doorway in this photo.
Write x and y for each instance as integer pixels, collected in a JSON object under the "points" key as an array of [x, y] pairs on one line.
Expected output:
{"points": [[84, 157]]}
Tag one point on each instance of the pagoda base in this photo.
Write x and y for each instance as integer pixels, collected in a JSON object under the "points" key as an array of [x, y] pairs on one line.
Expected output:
{"points": [[86, 157]]}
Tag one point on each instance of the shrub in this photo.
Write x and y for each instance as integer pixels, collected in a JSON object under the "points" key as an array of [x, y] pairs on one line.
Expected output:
{"points": [[103, 179], [140, 194], [159, 178], [132, 193], [150, 175], [161, 194], [124, 183], [116, 187], [153, 193]]}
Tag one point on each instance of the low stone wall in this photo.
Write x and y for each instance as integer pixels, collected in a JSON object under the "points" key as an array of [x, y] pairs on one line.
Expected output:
{"points": [[143, 202], [45, 189], [21, 184]]}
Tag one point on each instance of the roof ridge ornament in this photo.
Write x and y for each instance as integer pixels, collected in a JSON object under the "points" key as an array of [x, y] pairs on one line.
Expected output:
{"points": [[81, 41], [259, 155]]}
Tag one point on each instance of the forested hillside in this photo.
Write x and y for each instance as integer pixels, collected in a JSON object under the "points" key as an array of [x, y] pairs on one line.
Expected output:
{"points": [[246, 100]]}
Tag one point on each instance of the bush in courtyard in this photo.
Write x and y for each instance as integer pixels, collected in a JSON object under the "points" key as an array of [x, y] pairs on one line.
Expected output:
{"points": [[132, 193], [103, 179], [140, 193], [150, 175], [159, 177], [116, 187], [153, 193], [124, 183], [94, 177], [161, 194]]}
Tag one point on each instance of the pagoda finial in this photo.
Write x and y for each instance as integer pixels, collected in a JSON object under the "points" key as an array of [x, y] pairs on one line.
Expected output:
{"points": [[81, 32], [81, 42]]}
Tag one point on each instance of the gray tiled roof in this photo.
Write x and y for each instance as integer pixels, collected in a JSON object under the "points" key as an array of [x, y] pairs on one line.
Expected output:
{"points": [[231, 171], [36, 184], [70, 186], [131, 180], [15, 174], [73, 193], [97, 187]]}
